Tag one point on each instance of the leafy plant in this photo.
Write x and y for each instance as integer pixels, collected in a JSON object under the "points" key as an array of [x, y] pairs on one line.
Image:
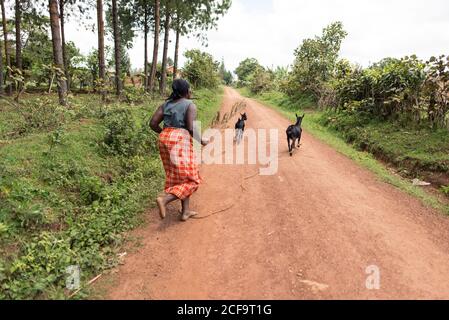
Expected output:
{"points": [[124, 136], [316, 61], [246, 69], [56, 137], [201, 70], [445, 190], [18, 79]]}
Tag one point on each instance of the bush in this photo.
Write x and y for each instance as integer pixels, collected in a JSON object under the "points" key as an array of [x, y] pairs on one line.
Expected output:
{"points": [[41, 114], [260, 81], [201, 70], [246, 70], [133, 95], [316, 61], [124, 137], [404, 89]]}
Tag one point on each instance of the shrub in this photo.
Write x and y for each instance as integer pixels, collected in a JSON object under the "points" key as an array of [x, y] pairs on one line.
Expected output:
{"points": [[246, 70], [133, 95], [260, 81], [316, 61], [41, 114], [201, 70], [402, 89], [124, 137]]}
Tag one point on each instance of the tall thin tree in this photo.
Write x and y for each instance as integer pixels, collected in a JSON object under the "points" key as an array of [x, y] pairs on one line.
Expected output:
{"points": [[163, 83], [178, 34], [5, 37], [101, 53], [64, 50], [57, 50], [1, 69], [18, 23], [196, 16], [157, 23], [145, 28], [117, 48]]}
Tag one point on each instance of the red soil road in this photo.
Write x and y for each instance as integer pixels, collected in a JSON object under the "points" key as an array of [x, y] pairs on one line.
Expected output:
{"points": [[308, 232]]}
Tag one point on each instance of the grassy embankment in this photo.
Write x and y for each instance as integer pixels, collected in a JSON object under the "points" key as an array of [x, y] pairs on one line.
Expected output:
{"points": [[413, 152], [72, 180]]}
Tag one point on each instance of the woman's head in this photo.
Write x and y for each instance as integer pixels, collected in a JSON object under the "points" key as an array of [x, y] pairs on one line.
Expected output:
{"points": [[181, 89]]}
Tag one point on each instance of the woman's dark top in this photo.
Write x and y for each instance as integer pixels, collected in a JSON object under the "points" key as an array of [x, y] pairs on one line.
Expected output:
{"points": [[175, 113]]}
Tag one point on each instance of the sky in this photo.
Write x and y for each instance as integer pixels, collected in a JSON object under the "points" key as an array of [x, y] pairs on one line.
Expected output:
{"points": [[271, 30]]}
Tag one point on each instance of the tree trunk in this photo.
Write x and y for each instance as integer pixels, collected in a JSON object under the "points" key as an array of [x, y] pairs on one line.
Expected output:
{"points": [[101, 54], [7, 53], [157, 22], [163, 84], [117, 53], [18, 21], [1, 70], [178, 35], [64, 51], [145, 68], [57, 49]]}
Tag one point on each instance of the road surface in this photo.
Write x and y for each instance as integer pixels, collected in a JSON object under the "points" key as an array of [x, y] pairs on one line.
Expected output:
{"points": [[308, 232]]}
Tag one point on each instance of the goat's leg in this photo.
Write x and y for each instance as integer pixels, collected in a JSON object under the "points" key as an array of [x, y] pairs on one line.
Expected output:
{"points": [[299, 139], [239, 136], [290, 149]]}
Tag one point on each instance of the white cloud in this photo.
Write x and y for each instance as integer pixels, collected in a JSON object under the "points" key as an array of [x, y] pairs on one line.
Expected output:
{"points": [[377, 29]]}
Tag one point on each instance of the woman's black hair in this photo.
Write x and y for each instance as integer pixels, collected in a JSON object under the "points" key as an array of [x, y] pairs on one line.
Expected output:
{"points": [[180, 89]]}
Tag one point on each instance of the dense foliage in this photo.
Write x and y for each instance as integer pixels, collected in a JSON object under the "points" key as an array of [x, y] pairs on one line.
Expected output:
{"points": [[201, 70], [42, 59], [406, 89]]}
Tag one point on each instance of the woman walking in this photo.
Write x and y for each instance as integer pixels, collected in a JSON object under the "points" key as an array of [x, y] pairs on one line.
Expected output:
{"points": [[178, 114]]}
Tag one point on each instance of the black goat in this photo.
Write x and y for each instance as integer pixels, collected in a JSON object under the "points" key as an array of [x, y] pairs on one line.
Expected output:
{"points": [[240, 128], [294, 133]]}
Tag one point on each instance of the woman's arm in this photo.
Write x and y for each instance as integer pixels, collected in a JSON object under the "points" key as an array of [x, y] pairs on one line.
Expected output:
{"points": [[156, 120], [190, 120]]}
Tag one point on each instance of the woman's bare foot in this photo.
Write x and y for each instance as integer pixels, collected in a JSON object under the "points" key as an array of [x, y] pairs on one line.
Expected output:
{"points": [[189, 214], [162, 210]]}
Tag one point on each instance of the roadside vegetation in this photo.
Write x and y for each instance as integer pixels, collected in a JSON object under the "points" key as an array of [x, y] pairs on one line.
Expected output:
{"points": [[396, 109], [71, 181]]}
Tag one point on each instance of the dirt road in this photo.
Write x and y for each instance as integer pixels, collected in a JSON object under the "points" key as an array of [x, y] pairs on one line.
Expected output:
{"points": [[308, 232]]}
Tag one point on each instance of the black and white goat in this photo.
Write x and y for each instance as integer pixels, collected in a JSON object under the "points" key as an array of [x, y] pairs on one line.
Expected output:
{"points": [[240, 128]]}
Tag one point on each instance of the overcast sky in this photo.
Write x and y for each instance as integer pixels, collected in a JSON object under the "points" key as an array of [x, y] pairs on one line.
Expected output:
{"points": [[270, 30]]}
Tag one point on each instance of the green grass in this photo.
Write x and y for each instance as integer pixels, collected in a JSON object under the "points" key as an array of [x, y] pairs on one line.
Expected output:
{"points": [[208, 103], [398, 144], [415, 150], [66, 197]]}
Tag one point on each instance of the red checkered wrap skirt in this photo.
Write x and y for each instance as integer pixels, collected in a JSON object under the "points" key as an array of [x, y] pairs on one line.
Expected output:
{"points": [[181, 169]]}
